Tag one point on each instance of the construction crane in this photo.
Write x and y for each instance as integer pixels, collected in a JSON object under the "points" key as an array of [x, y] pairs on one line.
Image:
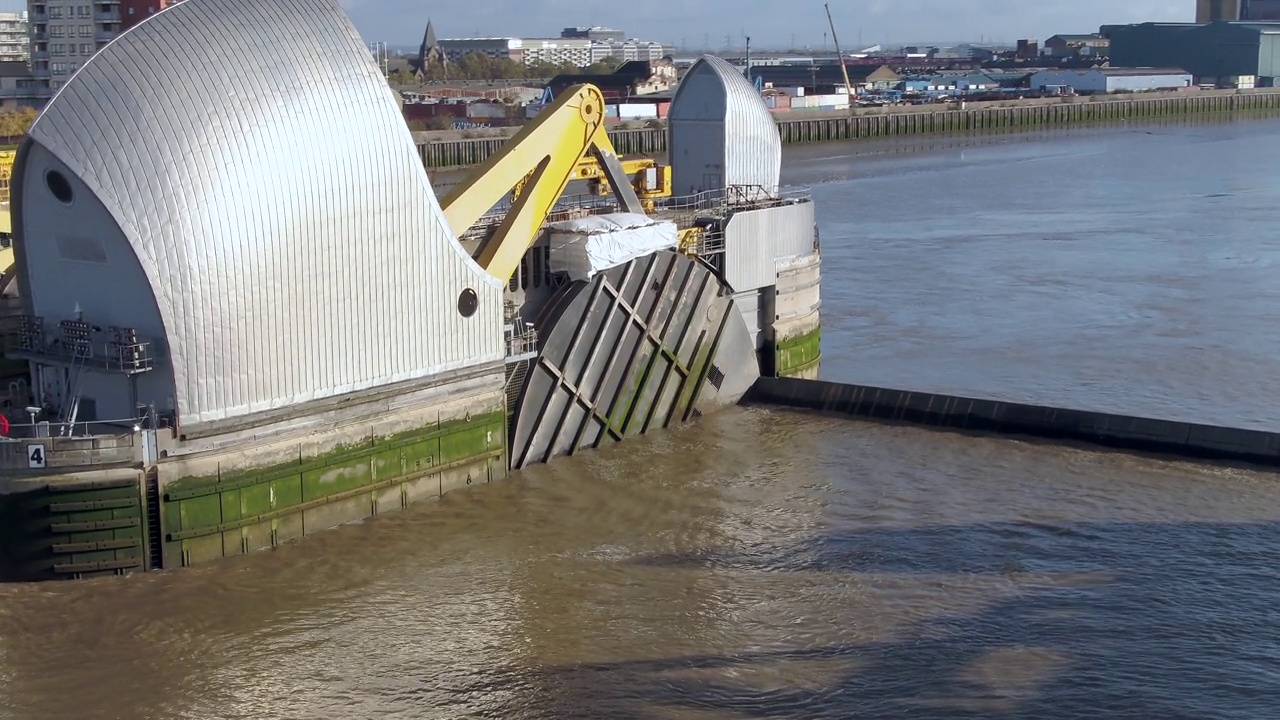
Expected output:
{"points": [[848, 87], [536, 166]]}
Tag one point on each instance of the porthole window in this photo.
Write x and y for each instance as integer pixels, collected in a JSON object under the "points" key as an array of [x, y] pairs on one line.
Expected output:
{"points": [[468, 303], [59, 186]]}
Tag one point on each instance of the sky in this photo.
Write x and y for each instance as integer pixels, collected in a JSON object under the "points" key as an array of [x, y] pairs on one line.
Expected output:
{"points": [[770, 23]]}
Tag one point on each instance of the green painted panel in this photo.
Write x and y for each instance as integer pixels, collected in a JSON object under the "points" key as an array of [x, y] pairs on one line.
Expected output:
{"points": [[389, 464], [82, 516], [335, 479], [795, 354], [177, 489], [201, 512], [255, 500], [231, 506], [418, 457], [464, 444], [288, 491], [32, 524], [171, 516]]}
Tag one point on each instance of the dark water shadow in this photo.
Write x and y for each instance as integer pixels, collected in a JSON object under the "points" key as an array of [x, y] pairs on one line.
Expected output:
{"points": [[1109, 620]]}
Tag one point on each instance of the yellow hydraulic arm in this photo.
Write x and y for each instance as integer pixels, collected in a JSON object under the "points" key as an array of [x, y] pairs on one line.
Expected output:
{"points": [[649, 179], [540, 161]]}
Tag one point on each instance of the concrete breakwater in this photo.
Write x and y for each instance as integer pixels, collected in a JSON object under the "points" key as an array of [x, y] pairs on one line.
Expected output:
{"points": [[1119, 432], [813, 126]]}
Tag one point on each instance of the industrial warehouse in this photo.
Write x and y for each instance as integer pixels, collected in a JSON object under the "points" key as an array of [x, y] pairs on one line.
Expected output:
{"points": [[239, 332]]}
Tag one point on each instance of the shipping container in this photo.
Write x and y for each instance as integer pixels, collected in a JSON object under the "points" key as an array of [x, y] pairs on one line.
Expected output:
{"points": [[488, 111], [637, 111]]}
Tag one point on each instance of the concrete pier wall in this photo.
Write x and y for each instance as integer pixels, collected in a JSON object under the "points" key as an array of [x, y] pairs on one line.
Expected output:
{"points": [[805, 126], [253, 488], [1179, 439]]}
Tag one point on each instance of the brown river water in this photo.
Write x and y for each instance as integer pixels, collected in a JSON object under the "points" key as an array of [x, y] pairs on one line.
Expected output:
{"points": [[769, 564]]}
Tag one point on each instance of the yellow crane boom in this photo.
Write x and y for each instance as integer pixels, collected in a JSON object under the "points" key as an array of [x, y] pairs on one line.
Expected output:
{"points": [[537, 165]]}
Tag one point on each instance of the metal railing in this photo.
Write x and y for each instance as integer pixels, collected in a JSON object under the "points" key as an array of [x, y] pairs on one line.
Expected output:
{"points": [[569, 207], [522, 342], [682, 209], [60, 432], [760, 195], [708, 243], [124, 352]]}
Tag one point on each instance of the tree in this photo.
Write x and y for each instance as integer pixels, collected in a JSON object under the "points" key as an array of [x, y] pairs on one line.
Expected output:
{"points": [[505, 69], [604, 66], [16, 123], [544, 69], [476, 66], [402, 77]]}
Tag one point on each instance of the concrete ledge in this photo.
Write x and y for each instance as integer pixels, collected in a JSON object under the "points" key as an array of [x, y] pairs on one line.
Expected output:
{"points": [[1122, 432]]}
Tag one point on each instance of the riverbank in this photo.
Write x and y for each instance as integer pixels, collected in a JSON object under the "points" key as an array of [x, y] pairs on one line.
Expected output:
{"points": [[446, 150]]}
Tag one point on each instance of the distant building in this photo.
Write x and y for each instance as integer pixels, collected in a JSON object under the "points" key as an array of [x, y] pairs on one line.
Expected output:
{"points": [[950, 83], [1208, 11], [1109, 80], [66, 33], [865, 77], [132, 12], [18, 88], [1028, 49], [15, 42], [1061, 46], [627, 50], [595, 34], [429, 53], [579, 52], [1228, 54], [557, 51], [632, 79]]}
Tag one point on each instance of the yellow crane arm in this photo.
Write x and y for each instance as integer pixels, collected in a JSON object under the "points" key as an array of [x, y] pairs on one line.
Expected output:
{"points": [[540, 160]]}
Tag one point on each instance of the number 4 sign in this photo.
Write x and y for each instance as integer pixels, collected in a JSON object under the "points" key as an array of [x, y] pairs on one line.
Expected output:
{"points": [[35, 457]]}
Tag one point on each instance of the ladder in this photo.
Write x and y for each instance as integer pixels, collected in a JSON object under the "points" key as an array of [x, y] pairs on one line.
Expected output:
{"points": [[516, 374], [155, 535]]}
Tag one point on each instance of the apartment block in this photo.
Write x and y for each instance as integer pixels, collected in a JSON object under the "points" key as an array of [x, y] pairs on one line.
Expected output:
{"points": [[64, 34], [557, 51], [627, 50], [15, 45]]}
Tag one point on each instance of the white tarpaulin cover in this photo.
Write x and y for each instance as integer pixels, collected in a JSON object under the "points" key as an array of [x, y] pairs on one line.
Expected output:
{"points": [[585, 246]]}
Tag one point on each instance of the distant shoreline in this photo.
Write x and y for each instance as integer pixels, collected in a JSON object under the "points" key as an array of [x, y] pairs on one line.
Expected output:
{"points": [[448, 150]]}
